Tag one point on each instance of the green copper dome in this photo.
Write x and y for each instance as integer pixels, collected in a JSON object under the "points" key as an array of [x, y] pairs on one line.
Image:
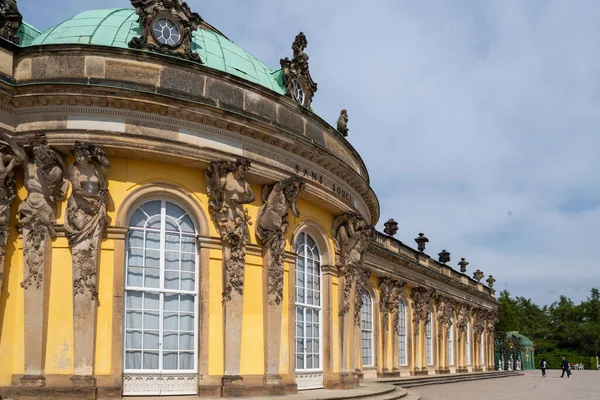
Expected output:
{"points": [[116, 27]]}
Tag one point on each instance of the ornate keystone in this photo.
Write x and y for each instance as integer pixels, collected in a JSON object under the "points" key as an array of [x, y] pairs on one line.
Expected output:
{"points": [[10, 20], [490, 281], [421, 242], [391, 227], [463, 265], [342, 123], [296, 75], [444, 257], [167, 28], [478, 275]]}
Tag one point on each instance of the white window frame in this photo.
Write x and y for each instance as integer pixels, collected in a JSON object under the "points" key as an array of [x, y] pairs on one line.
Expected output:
{"points": [[468, 344], [482, 351], [429, 338], [451, 342], [306, 306], [162, 292], [402, 337], [366, 311]]}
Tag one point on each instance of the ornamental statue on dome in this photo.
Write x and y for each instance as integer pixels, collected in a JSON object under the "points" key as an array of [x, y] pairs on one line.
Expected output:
{"points": [[391, 227], [298, 83], [342, 123], [10, 20]]}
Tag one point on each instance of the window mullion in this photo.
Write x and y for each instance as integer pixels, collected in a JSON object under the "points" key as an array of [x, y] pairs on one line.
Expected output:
{"points": [[161, 283]]}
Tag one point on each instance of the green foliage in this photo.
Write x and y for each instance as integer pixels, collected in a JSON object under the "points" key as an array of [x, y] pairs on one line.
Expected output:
{"points": [[554, 359], [564, 327]]}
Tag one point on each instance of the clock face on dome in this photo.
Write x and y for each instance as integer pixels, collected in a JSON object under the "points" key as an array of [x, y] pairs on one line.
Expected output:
{"points": [[166, 31]]}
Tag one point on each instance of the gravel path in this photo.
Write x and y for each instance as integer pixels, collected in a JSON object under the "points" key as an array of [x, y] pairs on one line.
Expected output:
{"points": [[582, 385]]}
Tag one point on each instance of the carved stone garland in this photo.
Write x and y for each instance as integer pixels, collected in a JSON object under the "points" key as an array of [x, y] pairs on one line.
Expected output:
{"points": [[10, 20], [175, 12], [228, 191], [272, 225], [296, 75], [11, 156], [84, 224]]}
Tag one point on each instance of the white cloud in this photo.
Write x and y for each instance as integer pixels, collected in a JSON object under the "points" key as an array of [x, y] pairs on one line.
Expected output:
{"points": [[485, 115]]}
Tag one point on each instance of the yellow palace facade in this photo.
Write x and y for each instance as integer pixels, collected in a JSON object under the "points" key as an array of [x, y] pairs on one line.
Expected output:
{"points": [[176, 220]]}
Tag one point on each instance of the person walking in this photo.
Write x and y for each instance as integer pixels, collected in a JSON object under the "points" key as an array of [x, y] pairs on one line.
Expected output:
{"points": [[565, 368], [543, 367]]}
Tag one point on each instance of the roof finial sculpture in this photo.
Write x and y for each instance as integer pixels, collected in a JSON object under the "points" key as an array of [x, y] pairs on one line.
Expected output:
{"points": [[463, 265], [298, 83], [444, 257], [391, 227], [478, 275], [490, 281], [421, 242], [10, 20], [342, 124], [167, 28]]}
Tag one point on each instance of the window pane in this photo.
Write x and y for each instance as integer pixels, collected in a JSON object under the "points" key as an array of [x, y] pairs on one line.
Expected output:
{"points": [[187, 322], [150, 360], [170, 322], [299, 361], [188, 262], [152, 278], [170, 361], [136, 239], [172, 243], [150, 340], [151, 301], [133, 339], [171, 280], [134, 299], [135, 257], [186, 341], [153, 240], [174, 211], [151, 320], [187, 302], [172, 260], [138, 219], [152, 208], [186, 361], [188, 281], [171, 302], [187, 225], [133, 359], [152, 259], [170, 341], [188, 244], [134, 319]]}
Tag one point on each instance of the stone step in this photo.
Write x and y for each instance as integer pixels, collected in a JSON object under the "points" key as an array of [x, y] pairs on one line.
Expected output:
{"points": [[412, 396], [438, 380]]}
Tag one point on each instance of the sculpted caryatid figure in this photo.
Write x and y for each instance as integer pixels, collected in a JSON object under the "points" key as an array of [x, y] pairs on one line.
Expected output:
{"points": [[352, 236], [11, 156], [10, 20], [445, 310], [86, 214], [228, 191], [342, 123], [464, 311], [272, 225], [45, 181], [421, 298]]}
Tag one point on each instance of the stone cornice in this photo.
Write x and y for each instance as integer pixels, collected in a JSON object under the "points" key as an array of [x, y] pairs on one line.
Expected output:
{"points": [[200, 117], [400, 262]]}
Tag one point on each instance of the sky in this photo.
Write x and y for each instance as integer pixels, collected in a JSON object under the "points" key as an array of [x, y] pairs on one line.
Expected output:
{"points": [[478, 120]]}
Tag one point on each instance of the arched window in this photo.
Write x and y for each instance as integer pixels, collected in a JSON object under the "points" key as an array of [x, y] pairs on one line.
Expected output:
{"points": [[402, 332], [468, 344], [429, 339], [161, 293], [367, 330], [308, 311], [451, 342], [482, 355]]}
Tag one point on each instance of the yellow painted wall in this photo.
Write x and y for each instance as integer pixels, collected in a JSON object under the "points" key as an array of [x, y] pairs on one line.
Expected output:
{"points": [[125, 176]]}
